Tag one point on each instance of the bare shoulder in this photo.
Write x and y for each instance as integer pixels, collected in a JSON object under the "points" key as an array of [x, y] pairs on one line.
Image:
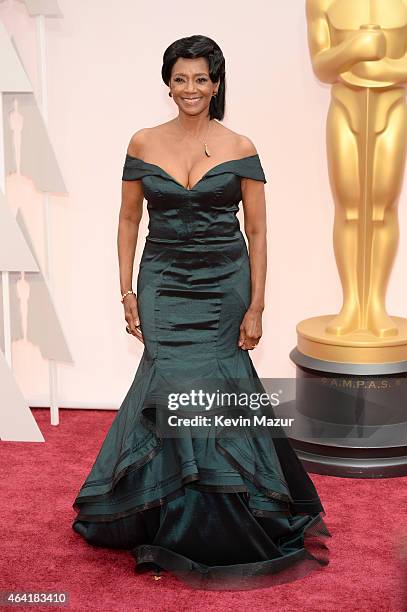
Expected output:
{"points": [[246, 146], [138, 142], [241, 145], [145, 137]]}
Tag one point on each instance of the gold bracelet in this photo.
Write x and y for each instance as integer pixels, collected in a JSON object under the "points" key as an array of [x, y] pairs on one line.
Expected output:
{"points": [[127, 293]]}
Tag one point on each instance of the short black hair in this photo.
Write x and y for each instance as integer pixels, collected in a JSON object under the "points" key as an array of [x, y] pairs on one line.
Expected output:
{"points": [[199, 46]]}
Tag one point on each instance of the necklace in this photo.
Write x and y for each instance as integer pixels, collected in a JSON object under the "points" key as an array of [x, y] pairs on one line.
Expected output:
{"points": [[207, 153]]}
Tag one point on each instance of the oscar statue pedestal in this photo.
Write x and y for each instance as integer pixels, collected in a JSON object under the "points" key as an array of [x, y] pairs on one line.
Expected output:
{"points": [[350, 409]]}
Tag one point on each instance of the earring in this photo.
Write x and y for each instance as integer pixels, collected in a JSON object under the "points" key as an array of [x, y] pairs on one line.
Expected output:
{"points": [[214, 94], [170, 94]]}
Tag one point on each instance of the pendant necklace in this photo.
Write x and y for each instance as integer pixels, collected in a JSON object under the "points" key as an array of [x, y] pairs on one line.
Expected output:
{"points": [[207, 152]]}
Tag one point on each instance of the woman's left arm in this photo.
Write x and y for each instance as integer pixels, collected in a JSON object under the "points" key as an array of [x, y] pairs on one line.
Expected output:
{"points": [[254, 206]]}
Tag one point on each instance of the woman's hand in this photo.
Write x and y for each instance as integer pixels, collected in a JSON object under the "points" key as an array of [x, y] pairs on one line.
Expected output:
{"points": [[132, 317], [250, 330]]}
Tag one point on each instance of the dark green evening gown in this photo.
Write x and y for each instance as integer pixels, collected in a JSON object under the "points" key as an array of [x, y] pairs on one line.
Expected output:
{"points": [[217, 511]]}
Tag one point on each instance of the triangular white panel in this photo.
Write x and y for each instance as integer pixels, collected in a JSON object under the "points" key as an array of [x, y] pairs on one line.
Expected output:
{"points": [[43, 326], [16, 321], [16, 420], [38, 160], [49, 8], [12, 74], [15, 255]]}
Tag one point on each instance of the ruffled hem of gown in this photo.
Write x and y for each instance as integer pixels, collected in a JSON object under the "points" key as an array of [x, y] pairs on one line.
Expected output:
{"points": [[290, 566], [153, 495]]}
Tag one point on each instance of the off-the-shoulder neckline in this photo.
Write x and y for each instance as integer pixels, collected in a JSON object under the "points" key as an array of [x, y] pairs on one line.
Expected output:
{"points": [[228, 161]]}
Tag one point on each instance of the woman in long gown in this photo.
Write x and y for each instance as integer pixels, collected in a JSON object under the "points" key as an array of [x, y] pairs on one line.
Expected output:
{"points": [[219, 511]]}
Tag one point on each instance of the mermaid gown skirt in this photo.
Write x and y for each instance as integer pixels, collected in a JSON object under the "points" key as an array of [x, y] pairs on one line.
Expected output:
{"points": [[218, 511]]}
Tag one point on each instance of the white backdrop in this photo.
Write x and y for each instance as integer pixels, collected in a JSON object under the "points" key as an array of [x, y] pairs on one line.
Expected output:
{"points": [[104, 62]]}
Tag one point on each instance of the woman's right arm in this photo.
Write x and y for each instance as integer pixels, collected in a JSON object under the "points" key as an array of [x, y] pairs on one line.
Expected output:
{"points": [[131, 211]]}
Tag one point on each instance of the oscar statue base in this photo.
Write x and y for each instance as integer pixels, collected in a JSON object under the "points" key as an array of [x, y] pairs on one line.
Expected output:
{"points": [[350, 419], [361, 347]]}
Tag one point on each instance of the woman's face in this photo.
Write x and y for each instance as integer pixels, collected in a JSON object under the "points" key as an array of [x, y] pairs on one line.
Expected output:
{"points": [[191, 86]]}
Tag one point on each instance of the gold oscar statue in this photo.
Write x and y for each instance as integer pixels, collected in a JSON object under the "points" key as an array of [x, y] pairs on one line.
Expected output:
{"points": [[360, 48]]}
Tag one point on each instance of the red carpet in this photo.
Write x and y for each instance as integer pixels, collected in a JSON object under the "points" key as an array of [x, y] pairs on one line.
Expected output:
{"points": [[367, 519]]}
